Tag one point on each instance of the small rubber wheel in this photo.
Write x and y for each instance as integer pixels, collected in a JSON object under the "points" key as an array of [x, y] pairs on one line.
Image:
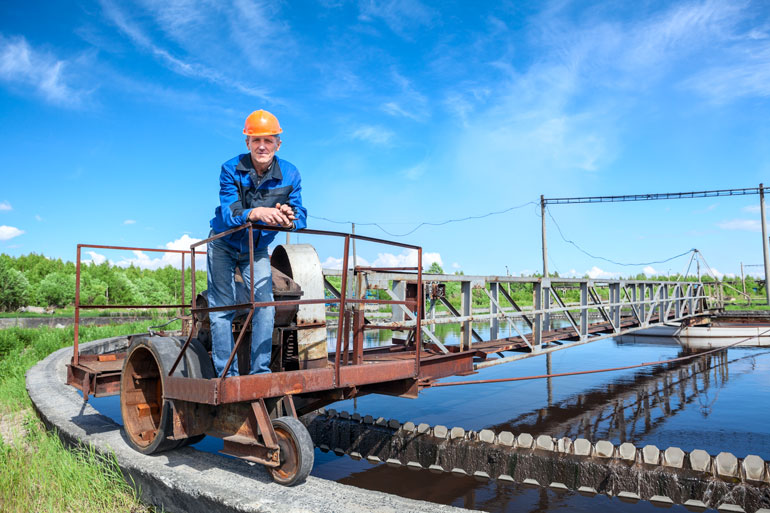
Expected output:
{"points": [[297, 452]]}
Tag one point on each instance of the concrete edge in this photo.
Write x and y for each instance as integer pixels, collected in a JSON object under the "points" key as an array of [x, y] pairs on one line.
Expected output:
{"points": [[186, 479]]}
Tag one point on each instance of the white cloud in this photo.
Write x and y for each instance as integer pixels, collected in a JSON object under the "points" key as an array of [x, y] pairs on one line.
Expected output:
{"points": [[405, 259], [455, 265], [650, 271], [373, 134], [129, 221], [4, 205], [96, 258], [143, 259], [597, 273], [751, 225], [753, 209], [415, 172], [23, 66], [9, 232], [38, 218]]}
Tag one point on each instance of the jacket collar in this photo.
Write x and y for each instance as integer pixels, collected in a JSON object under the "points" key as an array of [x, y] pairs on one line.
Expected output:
{"points": [[245, 165]]}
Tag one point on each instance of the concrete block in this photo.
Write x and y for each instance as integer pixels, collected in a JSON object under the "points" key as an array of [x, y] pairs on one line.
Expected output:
{"points": [[651, 455], [732, 508], [726, 464], [457, 432], [368, 419], [481, 476], [355, 455], [604, 449], [356, 417], [505, 477], [487, 435], [544, 443], [414, 464], [423, 428], [380, 421], [458, 472], [627, 452], [393, 462], [581, 447], [440, 431], [506, 438], [339, 451], [753, 467], [564, 445], [321, 411], [587, 490], [762, 510], [324, 447], [661, 499], [530, 482], [409, 427], [700, 460], [629, 496], [331, 412], [695, 505], [373, 459], [344, 415], [558, 486], [524, 441], [394, 424], [673, 457], [436, 469]]}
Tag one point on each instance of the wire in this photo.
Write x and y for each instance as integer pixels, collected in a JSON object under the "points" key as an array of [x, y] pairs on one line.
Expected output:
{"points": [[595, 371], [427, 223], [607, 259]]}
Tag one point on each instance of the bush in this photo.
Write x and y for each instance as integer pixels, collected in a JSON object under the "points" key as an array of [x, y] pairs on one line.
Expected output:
{"points": [[57, 289], [14, 288]]}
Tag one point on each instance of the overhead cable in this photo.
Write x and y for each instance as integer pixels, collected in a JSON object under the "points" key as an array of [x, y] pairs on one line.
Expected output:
{"points": [[427, 223], [608, 259]]}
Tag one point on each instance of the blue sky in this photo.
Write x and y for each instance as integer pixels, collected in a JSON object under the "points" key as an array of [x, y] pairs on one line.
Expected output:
{"points": [[118, 115]]}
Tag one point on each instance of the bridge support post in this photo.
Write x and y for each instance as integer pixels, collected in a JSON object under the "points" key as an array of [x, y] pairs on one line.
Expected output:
{"points": [[583, 310], [494, 323], [399, 289], [466, 298], [538, 327], [642, 298]]}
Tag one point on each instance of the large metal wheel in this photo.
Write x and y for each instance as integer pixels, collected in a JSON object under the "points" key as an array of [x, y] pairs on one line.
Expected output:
{"points": [[297, 453], [146, 414]]}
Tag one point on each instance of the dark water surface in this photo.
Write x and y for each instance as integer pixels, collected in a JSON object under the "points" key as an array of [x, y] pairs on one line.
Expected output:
{"points": [[717, 403]]}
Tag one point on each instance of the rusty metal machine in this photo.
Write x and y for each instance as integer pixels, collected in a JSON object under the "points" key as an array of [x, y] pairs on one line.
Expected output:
{"points": [[170, 395]]}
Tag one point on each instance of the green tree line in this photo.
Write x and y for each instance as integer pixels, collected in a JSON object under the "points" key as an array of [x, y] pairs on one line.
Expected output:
{"points": [[39, 281]]}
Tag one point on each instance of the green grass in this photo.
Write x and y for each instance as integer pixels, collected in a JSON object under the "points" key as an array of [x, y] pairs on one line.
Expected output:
{"points": [[70, 312], [36, 472]]}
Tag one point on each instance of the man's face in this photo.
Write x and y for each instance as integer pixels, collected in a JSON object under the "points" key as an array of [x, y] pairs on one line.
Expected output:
{"points": [[262, 148]]}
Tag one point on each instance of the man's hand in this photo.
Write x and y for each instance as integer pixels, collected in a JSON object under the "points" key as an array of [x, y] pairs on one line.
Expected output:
{"points": [[287, 211], [271, 216]]}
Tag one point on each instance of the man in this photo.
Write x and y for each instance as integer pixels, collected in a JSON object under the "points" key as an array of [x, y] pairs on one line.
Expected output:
{"points": [[254, 187]]}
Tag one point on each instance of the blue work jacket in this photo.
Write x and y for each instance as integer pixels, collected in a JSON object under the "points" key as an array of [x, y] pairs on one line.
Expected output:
{"points": [[241, 189]]}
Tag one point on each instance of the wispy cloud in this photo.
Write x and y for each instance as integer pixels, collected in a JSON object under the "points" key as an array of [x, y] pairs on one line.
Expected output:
{"points": [[38, 218], [23, 66], [9, 232], [4, 205], [753, 209], [401, 16], [374, 134], [185, 22], [751, 225], [129, 221]]}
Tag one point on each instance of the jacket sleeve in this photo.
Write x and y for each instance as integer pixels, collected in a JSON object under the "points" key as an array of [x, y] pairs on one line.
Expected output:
{"points": [[233, 212], [295, 201]]}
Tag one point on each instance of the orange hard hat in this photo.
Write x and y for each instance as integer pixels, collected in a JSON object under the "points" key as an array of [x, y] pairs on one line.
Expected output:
{"points": [[261, 122]]}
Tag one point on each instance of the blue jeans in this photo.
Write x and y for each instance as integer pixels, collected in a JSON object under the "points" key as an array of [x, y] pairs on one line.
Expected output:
{"points": [[222, 259]]}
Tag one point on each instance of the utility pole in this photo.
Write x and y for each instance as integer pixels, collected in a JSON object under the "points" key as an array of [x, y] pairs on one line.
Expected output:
{"points": [[353, 286], [545, 246], [743, 280], [764, 241]]}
